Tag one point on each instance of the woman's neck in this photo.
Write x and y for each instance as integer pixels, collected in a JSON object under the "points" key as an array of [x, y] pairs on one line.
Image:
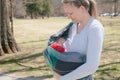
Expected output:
{"points": [[82, 24], [85, 20]]}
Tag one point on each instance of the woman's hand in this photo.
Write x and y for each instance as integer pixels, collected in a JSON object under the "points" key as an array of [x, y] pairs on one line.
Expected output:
{"points": [[60, 41], [57, 76]]}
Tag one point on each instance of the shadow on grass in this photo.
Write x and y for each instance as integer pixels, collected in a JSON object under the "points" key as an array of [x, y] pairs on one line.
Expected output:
{"points": [[22, 70], [24, 57], [112, 42], [109, 64], [103, 71], [32, 41], [26, 68], [107, 79], [117, 50], [36, 78], [108, 71], [110, 48]]}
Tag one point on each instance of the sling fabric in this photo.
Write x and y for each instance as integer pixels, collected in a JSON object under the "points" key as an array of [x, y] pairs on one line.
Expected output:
{"points": [[63, 63]]}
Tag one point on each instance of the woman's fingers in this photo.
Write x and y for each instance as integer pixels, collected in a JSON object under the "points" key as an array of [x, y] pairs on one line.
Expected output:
{"points": [[57, 76], [60, 41]]}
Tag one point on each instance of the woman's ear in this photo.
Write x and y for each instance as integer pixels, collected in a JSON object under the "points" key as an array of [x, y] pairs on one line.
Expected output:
{"points": [[82, 8]]}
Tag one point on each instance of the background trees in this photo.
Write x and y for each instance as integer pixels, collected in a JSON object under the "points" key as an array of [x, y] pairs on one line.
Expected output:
{"points": [[45, 8], [33, 9], [109, 6], [54, 7], [7, 41]]}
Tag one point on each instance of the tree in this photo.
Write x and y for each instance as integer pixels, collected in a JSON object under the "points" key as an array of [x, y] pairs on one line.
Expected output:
{"points": [[7, 41], [33, 9], [113, 5], [46, 11], [38, 8]]}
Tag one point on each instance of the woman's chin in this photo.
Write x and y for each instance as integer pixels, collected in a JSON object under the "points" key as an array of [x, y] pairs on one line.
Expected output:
{"points": [[75, 21]]}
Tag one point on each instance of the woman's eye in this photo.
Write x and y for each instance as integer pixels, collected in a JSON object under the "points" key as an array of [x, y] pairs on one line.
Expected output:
{"points": [[71, 13]]}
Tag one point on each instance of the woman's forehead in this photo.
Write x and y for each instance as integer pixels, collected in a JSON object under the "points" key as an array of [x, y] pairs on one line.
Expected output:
{"points": [[69, 7]]}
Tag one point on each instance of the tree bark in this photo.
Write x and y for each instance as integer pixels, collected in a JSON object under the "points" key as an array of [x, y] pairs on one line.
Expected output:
{"points": [[8, 44], [115, 7], [1, 51], [11, 16]]}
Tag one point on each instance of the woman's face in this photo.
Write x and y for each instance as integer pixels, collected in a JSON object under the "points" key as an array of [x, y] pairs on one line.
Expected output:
{"points": [[73, 12]]}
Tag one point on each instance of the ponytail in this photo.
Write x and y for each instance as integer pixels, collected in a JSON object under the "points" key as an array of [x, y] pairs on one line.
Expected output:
{"points": [[92, 8]]}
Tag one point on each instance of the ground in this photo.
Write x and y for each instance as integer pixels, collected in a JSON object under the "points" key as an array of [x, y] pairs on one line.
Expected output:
{"points": [[32, 35]]}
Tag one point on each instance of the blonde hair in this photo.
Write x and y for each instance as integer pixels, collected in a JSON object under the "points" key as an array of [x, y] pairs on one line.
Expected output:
{"points": [[89, 5]]}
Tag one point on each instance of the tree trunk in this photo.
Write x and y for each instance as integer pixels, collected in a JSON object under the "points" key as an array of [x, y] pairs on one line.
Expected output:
{"points": [[8, 44], [1, 51], [115, 7], [31, 15], [11, 16]]}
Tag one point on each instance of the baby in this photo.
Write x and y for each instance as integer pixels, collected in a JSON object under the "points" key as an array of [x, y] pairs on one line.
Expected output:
{"points": [[58, 45]]}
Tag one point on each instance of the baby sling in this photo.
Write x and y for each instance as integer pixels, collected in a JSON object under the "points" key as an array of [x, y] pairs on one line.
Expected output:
{"points": [[63, 63]]}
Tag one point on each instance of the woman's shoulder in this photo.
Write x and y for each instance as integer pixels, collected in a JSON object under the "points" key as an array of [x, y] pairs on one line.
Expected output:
{"points": [[96, 24]]}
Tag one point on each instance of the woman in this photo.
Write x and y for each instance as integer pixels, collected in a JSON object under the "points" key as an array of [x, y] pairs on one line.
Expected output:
{"points": [[85, 36]]}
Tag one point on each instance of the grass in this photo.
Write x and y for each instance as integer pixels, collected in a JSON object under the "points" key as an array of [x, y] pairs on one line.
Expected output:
{"points": [[32, 35]]}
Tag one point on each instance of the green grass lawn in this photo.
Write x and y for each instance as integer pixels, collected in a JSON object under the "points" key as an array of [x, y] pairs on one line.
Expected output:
{"points": [[32, 35]]}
